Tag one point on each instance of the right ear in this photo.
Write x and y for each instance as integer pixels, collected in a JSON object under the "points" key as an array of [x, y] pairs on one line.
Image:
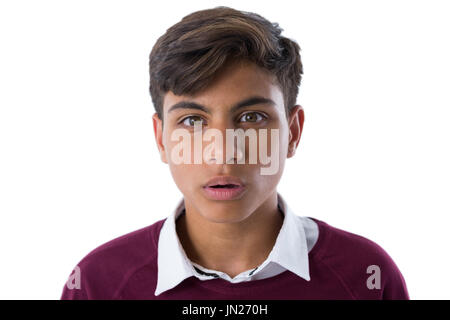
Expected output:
{"points": [[158, 130]]}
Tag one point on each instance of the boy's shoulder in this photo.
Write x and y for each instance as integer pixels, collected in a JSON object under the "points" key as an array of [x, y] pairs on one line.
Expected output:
{"points": [[106, 268], [342, 242], [361, 264], [137, 245]]}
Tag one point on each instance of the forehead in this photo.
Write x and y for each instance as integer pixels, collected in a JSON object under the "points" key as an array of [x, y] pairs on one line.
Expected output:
{"points": [[237, 81]]}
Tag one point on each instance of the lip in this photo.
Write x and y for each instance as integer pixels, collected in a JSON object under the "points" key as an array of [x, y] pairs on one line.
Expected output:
{"points": [[222, 180], [224, 193]]}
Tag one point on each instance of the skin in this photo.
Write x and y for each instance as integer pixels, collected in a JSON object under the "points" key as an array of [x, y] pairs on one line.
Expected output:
{"points": [[231, 236]]}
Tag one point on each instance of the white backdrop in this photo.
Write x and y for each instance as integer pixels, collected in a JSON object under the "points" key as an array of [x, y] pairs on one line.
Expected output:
{"points": [[79, 164]]}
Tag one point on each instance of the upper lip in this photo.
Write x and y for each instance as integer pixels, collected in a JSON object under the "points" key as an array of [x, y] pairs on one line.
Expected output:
{"points": [[222, 180]]}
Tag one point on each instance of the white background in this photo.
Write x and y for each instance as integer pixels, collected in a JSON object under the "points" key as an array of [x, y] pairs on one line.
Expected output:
{"points": [[79, 165]]}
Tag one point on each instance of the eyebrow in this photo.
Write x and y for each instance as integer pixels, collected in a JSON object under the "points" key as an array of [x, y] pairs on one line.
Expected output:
{"points": [[244, 103]]}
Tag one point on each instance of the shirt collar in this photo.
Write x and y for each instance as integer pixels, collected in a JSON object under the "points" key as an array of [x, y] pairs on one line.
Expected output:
{"points": [[290, 250]]}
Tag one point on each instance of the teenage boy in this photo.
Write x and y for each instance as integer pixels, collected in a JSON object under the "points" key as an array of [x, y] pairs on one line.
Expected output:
{"points": [[232, 236]]}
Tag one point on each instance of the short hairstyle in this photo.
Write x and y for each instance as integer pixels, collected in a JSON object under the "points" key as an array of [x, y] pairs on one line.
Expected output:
{"points": [[185, 59]]}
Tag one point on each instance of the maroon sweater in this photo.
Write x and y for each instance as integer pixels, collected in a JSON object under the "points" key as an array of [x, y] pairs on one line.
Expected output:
{"points": [[126, 268]]}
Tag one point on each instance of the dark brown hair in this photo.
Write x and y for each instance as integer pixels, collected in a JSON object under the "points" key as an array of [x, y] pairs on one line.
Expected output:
{"points": [[185, 59]]}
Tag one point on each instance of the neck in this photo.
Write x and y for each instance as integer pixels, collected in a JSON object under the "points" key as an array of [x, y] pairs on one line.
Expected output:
{"points": [[230, 247]]}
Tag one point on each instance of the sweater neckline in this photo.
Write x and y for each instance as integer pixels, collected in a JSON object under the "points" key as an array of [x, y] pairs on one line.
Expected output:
{"points": [[222, 285]]}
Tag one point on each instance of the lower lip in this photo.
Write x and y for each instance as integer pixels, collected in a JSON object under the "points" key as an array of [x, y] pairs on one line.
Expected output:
{"points": [[224, 193]]}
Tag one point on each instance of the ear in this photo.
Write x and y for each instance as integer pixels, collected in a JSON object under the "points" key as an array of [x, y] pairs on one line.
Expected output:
{"points": [[295, 122], [158, 130]]}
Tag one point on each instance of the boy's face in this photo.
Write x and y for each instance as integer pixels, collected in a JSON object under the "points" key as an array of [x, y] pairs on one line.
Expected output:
{"points": [[237, 82]]}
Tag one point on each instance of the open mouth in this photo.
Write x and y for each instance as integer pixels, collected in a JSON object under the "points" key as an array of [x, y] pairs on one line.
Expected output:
{"points": [[224, 188], [227, 191], [218, 186]]}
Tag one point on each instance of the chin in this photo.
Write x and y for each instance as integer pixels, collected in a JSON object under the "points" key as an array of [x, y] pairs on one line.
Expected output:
{"points": [[225, 214]]}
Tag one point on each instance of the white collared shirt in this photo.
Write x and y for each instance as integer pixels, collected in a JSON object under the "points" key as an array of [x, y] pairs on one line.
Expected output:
{"points": [[296, 238]]}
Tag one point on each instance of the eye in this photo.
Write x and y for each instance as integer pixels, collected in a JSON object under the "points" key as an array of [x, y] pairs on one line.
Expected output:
{"points": [[189, 121], [252, 117]]}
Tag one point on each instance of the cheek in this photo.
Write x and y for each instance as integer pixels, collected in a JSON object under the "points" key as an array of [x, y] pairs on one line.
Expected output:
{"points": [[272, 149], [185, 176], [264, 184], [180, 150]]}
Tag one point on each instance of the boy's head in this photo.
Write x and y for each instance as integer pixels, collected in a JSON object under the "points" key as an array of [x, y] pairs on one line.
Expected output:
{"points": [[223, 69], [185, 59]]}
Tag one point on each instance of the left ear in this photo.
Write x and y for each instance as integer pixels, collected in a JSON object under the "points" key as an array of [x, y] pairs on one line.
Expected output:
{"points": [[295, 122]]}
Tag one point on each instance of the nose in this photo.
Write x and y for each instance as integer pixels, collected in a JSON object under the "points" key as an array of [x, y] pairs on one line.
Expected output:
{"points": [[215, 152]]}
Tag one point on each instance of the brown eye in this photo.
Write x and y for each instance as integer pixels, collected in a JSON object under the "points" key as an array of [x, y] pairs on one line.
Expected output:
{"points": [[252, 117], [190, 121]]}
